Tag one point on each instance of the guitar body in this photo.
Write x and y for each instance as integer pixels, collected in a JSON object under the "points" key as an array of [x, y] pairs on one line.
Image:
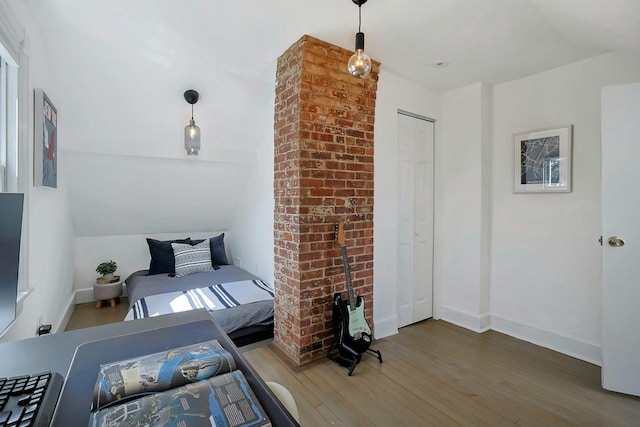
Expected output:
{"points": [[357, 323], [355, 334]]}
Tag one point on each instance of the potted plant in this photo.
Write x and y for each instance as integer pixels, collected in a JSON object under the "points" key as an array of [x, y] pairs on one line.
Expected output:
{"points": [[108, 287], [107, 269]]}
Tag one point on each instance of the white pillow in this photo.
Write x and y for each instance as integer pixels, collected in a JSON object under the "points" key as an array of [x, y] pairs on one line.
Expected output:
{"points": [[192, 259]]}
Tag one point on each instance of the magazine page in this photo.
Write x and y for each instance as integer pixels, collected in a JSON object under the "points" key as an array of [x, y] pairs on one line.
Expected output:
{"points": [[160, 371], [224, 400]]}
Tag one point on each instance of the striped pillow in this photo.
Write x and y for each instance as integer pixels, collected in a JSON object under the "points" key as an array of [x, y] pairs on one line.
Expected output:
{"points": [[192, 259]]}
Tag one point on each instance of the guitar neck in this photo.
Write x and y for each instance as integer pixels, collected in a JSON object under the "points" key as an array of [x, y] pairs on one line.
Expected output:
{"points": [[347, 273]]}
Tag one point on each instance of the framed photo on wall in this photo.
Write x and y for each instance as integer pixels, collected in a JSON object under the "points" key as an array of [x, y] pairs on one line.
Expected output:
{"points": [[542, 160], [45, 144]]}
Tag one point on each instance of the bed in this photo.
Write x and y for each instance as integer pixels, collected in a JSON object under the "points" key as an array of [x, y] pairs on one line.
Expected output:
{"points": [[239, 301]]}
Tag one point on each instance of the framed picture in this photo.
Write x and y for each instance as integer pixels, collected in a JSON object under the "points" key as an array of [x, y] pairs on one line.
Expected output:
{"points": [[45, 144], [542, 160]]}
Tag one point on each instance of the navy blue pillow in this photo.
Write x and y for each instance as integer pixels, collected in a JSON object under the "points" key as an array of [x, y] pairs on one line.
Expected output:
{"points": [[162, 260], [218, 254]]}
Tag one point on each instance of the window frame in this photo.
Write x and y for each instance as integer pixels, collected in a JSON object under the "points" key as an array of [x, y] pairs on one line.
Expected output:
{"points": [[9, 143], [14, 53], [3, 124]]}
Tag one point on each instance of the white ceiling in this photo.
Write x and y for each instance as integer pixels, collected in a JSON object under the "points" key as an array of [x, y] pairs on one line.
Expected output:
{"points": [[116, 71], [484, 40]]}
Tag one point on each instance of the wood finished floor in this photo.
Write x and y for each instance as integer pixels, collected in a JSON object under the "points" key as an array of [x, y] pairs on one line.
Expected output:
{"points": [[436, 374], [87, 315]]}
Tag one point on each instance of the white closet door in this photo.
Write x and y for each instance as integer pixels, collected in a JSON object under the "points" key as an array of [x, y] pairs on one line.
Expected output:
{"points": [[621, 261], [415, 219]]}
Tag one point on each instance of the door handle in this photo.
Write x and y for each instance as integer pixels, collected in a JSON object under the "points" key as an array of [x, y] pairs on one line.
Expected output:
{"points": [[615, 242]]}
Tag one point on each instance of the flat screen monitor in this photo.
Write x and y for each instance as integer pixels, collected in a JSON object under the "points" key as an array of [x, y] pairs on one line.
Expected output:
{"points": [[10, 233]]}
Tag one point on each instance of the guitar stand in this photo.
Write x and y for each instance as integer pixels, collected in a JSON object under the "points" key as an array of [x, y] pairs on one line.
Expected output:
{"points": [[351, 362]]}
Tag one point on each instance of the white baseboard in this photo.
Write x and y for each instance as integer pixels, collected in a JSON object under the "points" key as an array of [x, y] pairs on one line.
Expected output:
{"points": [[385, 327], [86, 294], [476, 323], [588, 352], [62, 323]]}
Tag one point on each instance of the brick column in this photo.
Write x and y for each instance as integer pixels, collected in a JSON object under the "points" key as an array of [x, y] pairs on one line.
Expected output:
{"points": [[323, 173]]}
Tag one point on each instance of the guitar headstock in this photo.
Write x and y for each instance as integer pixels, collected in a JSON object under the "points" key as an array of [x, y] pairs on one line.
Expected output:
{"points": [[340, 233]]}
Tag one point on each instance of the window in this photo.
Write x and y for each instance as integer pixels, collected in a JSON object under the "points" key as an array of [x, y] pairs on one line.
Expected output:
{"points": [[3, 125], [14, 113], [9, 165]]}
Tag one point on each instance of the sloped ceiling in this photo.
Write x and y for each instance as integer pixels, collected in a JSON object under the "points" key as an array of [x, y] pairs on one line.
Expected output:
{"points": [[121, 67], [122, 195]]}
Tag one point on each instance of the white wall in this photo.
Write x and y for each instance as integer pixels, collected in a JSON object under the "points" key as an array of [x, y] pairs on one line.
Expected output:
{"points": [[51, 254], [252, 228], [546, 259], [131, 177], [130, 252], [131, 173], [393, 93], [463, 207]]}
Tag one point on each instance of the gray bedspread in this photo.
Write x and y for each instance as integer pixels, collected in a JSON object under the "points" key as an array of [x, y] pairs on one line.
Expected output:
{"points": [[139, 285]]}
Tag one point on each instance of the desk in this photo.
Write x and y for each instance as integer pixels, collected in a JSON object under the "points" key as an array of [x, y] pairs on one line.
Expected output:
{"points": [[56, 352]]}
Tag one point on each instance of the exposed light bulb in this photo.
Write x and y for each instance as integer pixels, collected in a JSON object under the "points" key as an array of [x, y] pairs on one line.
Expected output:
{"points": [[193, 129], [359, 64], [192, 138]]}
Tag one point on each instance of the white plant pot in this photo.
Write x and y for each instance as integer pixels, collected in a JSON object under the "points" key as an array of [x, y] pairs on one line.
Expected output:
{"points": [[107, 291]]}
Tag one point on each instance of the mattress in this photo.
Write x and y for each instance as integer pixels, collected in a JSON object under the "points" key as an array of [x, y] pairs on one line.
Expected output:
{"points": [[142, 288]]}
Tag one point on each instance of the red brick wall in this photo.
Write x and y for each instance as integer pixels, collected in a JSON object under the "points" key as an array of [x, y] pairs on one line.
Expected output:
{"points": [[323, 173]]}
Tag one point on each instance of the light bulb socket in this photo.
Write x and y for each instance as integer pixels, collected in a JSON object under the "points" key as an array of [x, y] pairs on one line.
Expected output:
{"points": [[191, 96], [359, 40]]}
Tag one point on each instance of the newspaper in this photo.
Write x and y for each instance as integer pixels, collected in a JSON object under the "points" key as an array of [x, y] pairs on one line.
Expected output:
{"points": [[195, 385]]}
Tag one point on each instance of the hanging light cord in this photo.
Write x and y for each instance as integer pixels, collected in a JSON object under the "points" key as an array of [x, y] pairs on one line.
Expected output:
{"points": [[191, 111], [359, 17]]}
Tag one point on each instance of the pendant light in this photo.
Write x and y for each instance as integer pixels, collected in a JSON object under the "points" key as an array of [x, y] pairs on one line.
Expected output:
{"points": [[359, 64], [191, 131]]}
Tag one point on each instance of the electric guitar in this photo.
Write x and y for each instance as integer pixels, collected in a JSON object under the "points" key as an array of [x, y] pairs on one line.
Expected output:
{"points": [[354, 333]]}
